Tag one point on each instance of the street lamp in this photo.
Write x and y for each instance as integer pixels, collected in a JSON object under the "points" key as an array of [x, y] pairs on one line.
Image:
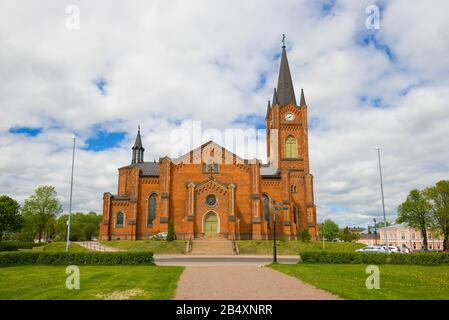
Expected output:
{"points": [[382, 193], [70, 202], [276, 208]]}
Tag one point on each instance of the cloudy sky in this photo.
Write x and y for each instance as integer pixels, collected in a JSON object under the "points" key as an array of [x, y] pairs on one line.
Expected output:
{"points": [[164, 64]]}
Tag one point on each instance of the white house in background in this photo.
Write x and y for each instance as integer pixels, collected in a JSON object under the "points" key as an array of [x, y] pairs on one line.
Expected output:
{"points": [[403, 236]]}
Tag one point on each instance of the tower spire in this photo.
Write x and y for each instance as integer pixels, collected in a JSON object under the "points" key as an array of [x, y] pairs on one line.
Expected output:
{"points": [[285, 91], [268, 110], [275, 97], [302, 102], [138, 149]]}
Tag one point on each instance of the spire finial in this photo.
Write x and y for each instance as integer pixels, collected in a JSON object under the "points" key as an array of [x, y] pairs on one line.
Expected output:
{"points": [[138, 128], [283, 40]]}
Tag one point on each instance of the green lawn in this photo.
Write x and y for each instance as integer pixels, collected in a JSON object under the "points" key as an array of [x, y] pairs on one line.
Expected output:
{"points": [[396, 281], [293, 247], [48, 282], [155, 246]]}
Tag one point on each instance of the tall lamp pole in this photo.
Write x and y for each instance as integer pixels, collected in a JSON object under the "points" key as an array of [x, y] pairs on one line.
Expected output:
{"points": [[382, 193], [70, 203]]}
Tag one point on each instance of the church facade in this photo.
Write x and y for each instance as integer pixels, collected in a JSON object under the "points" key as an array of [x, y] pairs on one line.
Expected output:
{"points": [[210, 192]]}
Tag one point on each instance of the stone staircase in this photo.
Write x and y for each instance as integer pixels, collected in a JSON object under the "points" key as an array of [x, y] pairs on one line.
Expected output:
{"points": [[212, 247]]}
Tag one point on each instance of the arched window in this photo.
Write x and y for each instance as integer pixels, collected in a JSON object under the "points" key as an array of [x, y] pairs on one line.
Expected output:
{"points": [[295, 216], [119, 220], [151, 209], [291, 147], [266, 208]]}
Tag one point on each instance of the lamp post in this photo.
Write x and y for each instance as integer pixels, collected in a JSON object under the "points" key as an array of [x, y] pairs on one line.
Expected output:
{"points": [[276, 207], [375, 232], [382, 193], [70, 202]]}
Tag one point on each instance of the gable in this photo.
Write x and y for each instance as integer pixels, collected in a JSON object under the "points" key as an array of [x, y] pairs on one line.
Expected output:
{"points": [[209, 151]]}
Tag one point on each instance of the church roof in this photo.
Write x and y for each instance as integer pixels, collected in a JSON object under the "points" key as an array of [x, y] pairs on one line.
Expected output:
{"points": [[284, 91], [151, 169]]}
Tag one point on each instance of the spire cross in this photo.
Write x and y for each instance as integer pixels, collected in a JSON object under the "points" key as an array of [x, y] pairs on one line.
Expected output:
{"points": [[283, 40]]}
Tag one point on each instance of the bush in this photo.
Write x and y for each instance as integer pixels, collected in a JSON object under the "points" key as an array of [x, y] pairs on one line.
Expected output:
{"points": [[171, 232], [425, 259], [78, 258], [16, 245], [304, 235]]}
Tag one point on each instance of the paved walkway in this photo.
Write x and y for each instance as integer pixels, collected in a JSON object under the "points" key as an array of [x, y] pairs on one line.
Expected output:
{"points": [[96, 246], [244, 282]]}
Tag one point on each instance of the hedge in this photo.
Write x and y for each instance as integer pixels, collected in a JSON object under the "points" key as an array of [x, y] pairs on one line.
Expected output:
{"points": [[425, 259], [76, 258], [16, 245]]}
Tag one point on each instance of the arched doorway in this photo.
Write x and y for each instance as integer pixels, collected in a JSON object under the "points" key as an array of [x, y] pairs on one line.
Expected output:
{"points": [[210, 224]]}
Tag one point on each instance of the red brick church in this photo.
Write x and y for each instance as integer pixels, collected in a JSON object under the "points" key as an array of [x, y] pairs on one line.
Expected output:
{"points": [[211, 192]]}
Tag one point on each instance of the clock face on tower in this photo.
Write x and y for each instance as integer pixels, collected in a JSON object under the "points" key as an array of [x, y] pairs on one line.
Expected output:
{"points": [[289, 116]]}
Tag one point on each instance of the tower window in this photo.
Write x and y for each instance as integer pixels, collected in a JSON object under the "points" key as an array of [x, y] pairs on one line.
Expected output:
{"points": [[119, 220], [151, 209], [293, 188], [291, 148]]}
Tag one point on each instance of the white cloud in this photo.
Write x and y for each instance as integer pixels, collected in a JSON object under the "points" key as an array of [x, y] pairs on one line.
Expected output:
{"points": [[178, 61]]}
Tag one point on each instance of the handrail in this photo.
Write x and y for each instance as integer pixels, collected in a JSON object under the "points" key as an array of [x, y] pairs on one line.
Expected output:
{"points": [[235, 248]]}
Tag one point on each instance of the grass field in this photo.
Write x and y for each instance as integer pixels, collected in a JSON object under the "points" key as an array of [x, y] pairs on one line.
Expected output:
{"points": [[293, 247], [157, 247], [96, 282], [396, 281]]}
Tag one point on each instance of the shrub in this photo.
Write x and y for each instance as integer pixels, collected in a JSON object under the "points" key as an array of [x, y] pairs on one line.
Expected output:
{"points": [[171, 232], [426, 259], [16, 245], [78, 258], [304, 235]]}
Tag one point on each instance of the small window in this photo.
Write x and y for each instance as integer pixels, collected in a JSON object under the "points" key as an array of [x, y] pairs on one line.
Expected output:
{"points": [[214, 166], [293, 188], [119, 220]]}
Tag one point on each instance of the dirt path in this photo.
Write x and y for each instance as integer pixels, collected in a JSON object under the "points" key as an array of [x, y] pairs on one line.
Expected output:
{"points": [[244, 282]]}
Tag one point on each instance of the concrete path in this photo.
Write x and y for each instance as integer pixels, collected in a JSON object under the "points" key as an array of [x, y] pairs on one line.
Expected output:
{"points": [[96, 246], [219, 260], [244, 282]]}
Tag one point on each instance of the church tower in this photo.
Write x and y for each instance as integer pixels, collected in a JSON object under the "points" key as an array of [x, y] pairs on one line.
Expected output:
{"points": [[138, 149], [286, 123], [288, 147]]}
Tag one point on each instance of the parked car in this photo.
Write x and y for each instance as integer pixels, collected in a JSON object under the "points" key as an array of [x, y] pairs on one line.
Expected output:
{"points": [[392, 249], [405, 250], [378, 249], [159, 236]]}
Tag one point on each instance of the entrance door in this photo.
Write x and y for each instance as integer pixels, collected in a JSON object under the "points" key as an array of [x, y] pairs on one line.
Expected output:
{"points": [[210, 224]]}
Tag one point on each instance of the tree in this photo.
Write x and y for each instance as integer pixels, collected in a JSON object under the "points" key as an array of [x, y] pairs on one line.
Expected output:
{"points": [[10, 218], [438, 196], [171, 232], [304, 235], [40, 210], [347, 236], [416, 211], [329, 229]]}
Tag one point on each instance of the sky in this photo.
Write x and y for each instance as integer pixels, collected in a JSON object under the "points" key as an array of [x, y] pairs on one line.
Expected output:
{"points": [[98, 69]]}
